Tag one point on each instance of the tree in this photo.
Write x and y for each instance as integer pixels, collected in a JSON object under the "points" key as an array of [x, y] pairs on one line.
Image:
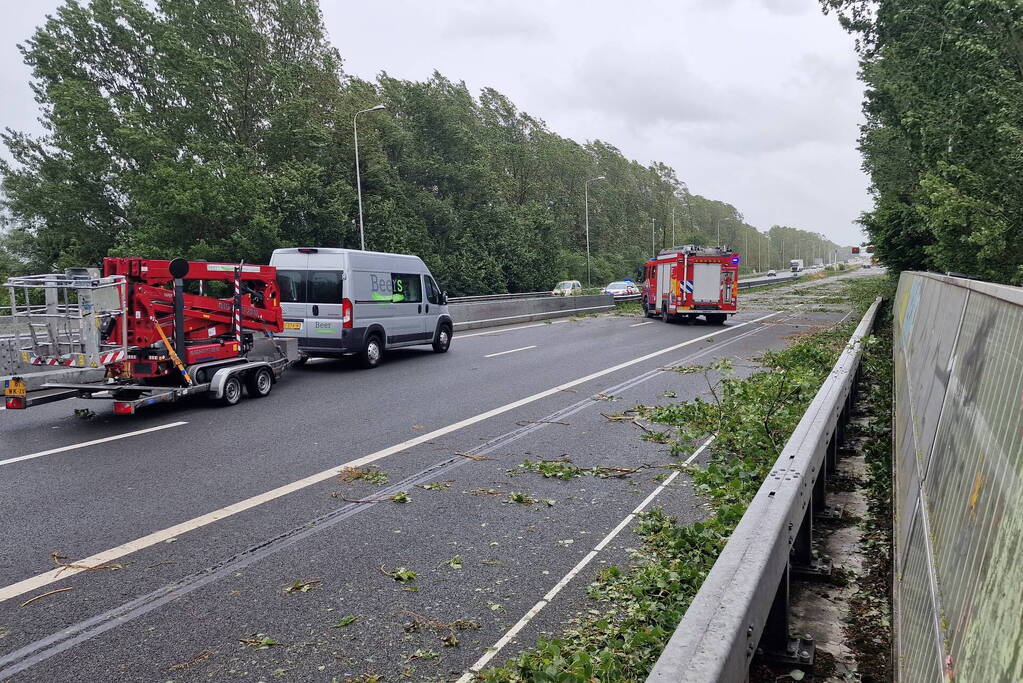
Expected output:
{"points": [[944, 108]]}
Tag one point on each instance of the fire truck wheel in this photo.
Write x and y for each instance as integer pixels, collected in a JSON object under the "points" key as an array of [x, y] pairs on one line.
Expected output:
{"points": [[371, 355], [646, 311], [716, 318], [665, 317], [259, 383], [232, 391]]}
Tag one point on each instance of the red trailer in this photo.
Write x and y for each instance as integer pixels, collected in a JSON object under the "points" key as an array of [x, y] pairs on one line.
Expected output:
{"points": [[684, 282]]}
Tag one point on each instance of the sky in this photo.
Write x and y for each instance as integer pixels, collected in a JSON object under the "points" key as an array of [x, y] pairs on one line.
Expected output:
{"points": [[753, 102]]}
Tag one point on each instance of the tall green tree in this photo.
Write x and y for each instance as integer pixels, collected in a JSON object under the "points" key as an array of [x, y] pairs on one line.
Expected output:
{"points": [[944, 108]]}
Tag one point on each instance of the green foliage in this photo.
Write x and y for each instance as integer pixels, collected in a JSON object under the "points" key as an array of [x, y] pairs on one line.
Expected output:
{"points": [[944, 108], [642, 606], [162, 142]]}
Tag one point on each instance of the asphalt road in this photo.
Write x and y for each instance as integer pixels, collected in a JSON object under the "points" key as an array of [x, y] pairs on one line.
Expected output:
{"points": [[203, 515]]}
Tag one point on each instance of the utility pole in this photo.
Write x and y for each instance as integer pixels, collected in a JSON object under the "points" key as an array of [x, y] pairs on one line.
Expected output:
{"points": [[672, 224], [653, 245]]}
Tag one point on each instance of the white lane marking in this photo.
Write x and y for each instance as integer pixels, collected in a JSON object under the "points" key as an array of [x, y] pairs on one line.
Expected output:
{"points": [[648, 322], [512, 329], [94, 442], [699, 450], [501, 353], [107, 556], [545, 600]]}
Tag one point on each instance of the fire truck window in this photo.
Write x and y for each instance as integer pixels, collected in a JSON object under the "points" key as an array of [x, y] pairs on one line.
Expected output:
{"points": [[432, 291], [292, 285], [407, 288], [324, 287]]}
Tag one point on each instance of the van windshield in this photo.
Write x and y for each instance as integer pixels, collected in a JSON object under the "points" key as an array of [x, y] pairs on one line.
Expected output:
{"points": [[311, 286]]}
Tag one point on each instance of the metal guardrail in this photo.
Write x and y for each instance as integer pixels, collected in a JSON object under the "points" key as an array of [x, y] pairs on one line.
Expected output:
{"points": [[742, 606]]}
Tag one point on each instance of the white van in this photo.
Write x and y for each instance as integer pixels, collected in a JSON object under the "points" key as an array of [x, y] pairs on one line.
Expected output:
{"points": [[341, 302]]}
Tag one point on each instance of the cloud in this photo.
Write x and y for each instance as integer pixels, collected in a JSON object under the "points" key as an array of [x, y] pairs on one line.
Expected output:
{"points": [[640, 88], [506, 23]]}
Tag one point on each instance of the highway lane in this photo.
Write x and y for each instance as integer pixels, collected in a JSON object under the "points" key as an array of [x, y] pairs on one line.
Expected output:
{"points": [[322, 415], [151, 490]]}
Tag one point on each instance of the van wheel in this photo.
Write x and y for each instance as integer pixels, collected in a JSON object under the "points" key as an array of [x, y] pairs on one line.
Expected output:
{"points": [[370, 356], [443, 341], [259, 383], [232, 391]]}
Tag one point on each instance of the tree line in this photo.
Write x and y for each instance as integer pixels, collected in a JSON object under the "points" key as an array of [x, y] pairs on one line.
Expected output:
{"points": [[223, 129], [944, 131]]}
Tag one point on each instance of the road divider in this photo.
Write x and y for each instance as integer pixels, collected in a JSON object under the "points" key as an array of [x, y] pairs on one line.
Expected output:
{"points": [[94, 442], [473, 314], [175, 531]]}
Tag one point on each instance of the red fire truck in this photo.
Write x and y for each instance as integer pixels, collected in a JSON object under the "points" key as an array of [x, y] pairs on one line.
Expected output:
{"points": [[684, 282]]}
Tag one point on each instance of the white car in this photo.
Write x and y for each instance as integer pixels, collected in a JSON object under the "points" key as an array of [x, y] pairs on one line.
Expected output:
{"points": [[621, 290], [567, 288], [771, 273]]}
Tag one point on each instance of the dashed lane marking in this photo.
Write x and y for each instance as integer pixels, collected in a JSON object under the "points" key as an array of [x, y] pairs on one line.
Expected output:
{"points": [[501, 353]]}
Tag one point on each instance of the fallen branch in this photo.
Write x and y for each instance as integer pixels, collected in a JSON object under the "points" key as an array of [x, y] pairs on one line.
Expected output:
{"points": [[43, 595], [57, 560], [201, 657], [472, 457]]}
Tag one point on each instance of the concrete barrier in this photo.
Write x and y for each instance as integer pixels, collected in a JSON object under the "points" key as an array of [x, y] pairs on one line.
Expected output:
{"points": [[470, 315], [958, 480]]}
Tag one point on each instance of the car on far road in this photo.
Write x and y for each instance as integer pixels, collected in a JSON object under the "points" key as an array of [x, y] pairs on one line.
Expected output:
{"points": [[771, 273], [621, 290], [567, 288]]}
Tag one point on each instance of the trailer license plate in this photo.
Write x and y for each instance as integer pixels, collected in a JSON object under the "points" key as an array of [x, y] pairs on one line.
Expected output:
{"points": [[292, 326]]}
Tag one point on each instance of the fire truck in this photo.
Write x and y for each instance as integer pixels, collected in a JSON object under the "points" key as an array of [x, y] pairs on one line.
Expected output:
{"points": [[150, 331], [684, 282]]}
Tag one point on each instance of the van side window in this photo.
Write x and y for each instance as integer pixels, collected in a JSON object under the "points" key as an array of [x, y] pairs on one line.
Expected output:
{"points": [[292, 286], [406, 288], [432, 290], [324, 287]]}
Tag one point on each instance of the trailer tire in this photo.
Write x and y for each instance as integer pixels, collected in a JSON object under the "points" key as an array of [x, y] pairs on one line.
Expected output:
{"points": [[259, 383], [232, 391], [371, 354]]}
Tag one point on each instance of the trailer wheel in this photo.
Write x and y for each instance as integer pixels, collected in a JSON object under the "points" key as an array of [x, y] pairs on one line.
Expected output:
{"points": [[232, 391], [370, 356], [259, 383]]}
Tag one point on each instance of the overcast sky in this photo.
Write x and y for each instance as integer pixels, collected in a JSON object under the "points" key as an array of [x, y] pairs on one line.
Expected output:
{"points": [[753, 102]]}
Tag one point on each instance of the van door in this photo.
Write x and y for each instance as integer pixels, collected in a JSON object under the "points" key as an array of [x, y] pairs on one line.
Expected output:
{"points": [[432, 307], [408, 324], [291, 280], [324, 292]]}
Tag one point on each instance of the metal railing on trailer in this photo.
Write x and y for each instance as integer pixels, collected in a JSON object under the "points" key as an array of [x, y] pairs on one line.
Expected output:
{"points": [[742, 606]]}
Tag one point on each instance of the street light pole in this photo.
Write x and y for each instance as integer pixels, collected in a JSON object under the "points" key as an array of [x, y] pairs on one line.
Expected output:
{"points": [[358, 176], [653, 245], [586, 204]]}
